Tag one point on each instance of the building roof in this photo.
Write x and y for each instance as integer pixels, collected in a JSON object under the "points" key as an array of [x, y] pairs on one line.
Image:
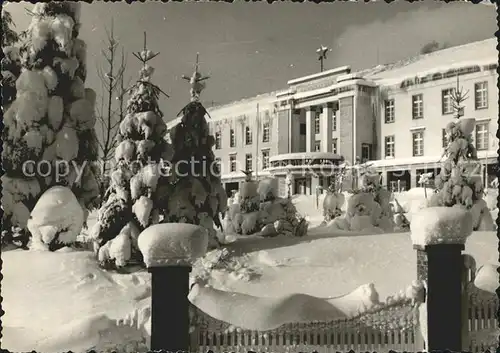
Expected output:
{"points": [[477, 53]]}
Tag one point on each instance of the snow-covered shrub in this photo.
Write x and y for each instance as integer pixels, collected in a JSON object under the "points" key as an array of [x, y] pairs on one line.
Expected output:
{"points": [[268, 189], [367, 208], [56, 220], [38, 124], [253, 214]]}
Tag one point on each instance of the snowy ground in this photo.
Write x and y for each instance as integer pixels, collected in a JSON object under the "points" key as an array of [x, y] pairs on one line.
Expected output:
{"points": [[60, 301]]}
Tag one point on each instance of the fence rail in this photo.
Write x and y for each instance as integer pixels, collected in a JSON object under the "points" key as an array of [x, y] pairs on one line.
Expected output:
{"points": [[342, 335], [320, 341]]}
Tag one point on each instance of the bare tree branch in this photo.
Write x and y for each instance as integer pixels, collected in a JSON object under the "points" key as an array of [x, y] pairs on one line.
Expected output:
{"points": [[111, 76]]}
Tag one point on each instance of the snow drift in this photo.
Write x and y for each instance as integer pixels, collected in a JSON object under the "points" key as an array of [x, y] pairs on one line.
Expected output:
{"points": [[263, 314]]}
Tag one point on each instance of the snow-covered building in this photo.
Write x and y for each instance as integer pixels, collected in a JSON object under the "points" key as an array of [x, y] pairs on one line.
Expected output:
{"points": [[391, 115]]}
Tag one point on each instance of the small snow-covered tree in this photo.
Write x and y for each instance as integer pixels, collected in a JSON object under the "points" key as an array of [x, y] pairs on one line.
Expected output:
{"points": [[132, 202], [460, 183], [197, 195], [11, 65], [50, 124]]}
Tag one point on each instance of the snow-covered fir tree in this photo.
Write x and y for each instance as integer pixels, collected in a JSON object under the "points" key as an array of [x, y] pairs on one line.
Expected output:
{"points": [[132, 202], [459, 183], [11, 65], [50, 122], [196, 195]]}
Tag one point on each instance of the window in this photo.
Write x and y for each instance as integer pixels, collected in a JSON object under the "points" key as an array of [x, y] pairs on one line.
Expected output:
{"points": [[418, 143], [417, 106], [447, 101], [218, 140], [232, 163], [265, 159], [317, 146], [334, 122], [302, 129], [248, 161], [266, 135], [366, 152], [389, 146], [317, 115], [248, 135], [481, 95], [334, 145], [482, 136], [444, 139], [389, 111], [232, 138]]}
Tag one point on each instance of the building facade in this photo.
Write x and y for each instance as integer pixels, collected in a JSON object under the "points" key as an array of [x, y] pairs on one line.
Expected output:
{"points": [[391, 116]]}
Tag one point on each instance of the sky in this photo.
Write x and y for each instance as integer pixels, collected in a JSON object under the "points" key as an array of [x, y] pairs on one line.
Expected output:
{"points": [[253, 48]]}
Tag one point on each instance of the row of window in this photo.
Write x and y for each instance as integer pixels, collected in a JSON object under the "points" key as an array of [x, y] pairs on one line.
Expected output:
{"points": [[248, 161], [266, 136], [481, 141], [417, 102], [317, 122]]}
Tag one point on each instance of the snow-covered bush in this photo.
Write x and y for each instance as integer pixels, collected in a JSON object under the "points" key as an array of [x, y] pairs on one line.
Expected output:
{"points": [[368, 208], [132, 201], [258, 212], [44, 126], [56, 220]]}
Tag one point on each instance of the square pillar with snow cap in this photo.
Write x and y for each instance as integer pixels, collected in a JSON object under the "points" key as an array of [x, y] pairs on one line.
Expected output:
{"points": [[439, 235], [169, 250]]}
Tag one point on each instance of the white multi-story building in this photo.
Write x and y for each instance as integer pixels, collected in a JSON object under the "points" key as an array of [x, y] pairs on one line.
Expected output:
{"points": [[392, 116]]}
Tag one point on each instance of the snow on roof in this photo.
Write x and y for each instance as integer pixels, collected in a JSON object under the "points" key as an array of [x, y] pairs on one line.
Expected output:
{"points": [[476, 53]]}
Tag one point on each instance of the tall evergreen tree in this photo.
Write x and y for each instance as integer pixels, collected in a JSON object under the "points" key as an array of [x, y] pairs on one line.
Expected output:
{"points": [[131, 203], [51, 121], [197, 195]]}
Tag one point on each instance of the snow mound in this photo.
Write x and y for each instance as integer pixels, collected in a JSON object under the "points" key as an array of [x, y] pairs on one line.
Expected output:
{"points": [[263, 314], [441, 225], [97, 332], [56, 218], [172, 244], [60, 301], [487, 278]]}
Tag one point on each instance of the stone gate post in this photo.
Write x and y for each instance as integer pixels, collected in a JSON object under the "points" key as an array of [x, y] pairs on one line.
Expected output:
{"points": [[438, 235], [169, 250]]}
